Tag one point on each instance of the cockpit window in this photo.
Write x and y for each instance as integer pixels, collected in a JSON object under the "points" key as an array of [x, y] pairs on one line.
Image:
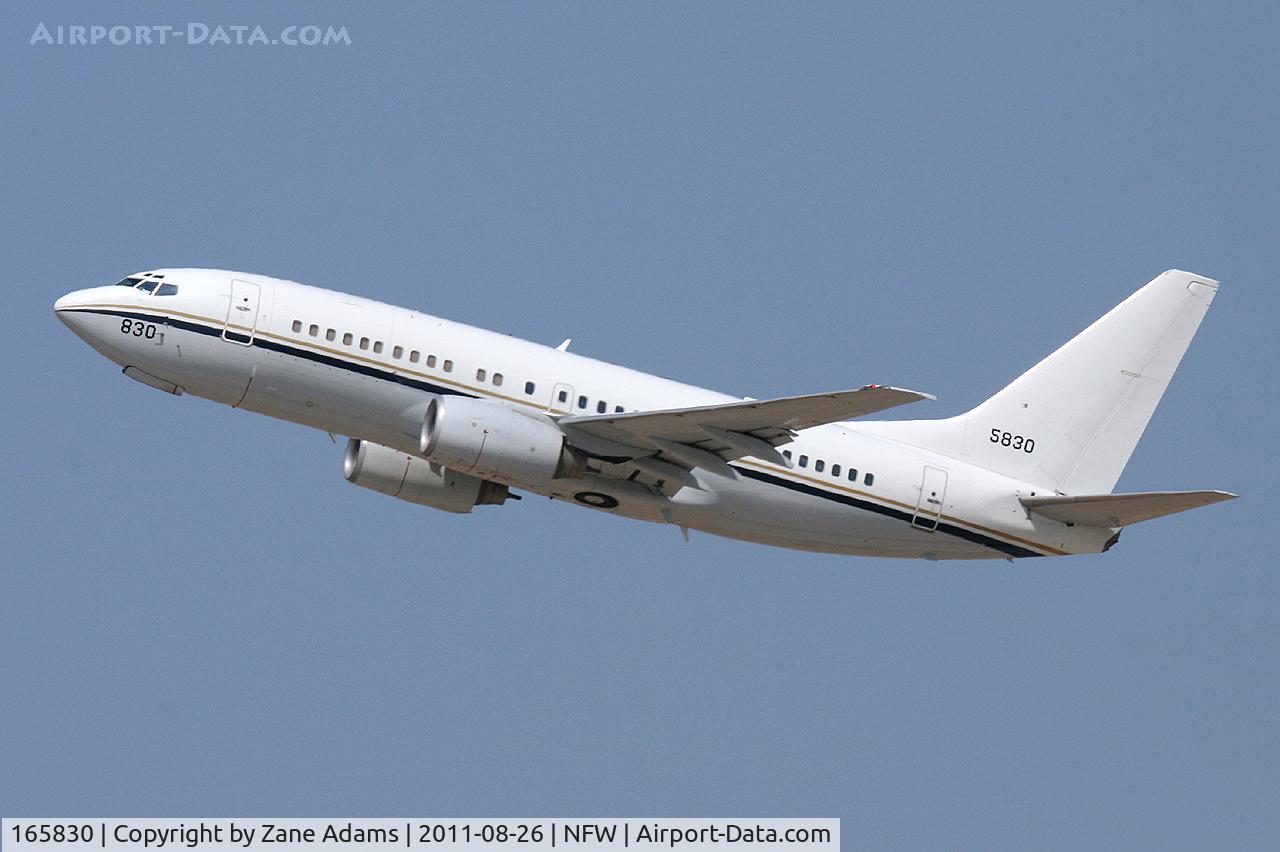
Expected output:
{"points": [[148, 286], [167, 290], [129, 282]]}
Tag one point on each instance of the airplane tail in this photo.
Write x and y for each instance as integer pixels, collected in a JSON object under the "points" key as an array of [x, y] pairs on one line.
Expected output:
{"points": [[1072, 421]]}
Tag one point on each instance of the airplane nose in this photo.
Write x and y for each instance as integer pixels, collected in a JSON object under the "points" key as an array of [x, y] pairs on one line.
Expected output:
{"points": [[64, 307], [71, 300]]}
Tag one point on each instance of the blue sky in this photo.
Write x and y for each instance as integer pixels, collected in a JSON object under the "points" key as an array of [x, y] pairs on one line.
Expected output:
{"points": [[199, 616]]}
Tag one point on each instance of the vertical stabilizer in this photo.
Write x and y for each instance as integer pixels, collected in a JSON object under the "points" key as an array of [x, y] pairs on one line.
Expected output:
{"points": [[1072, 421]]}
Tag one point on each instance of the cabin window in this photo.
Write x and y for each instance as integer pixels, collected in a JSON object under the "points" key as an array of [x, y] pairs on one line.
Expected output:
{"points": [[377, 346], [414, 356], [804, 461], [582, 402], [564, 396], [819, 465], [853, 474], [835, 470], [529, 388], [330, 334], [431, 360], [480, 374], [497, 379], [297, 325], [346, 339], [364, 343], [869, 479], [314, 330], [786, 454], [397, 352], [602, 407], [448, 366], [617, 409]]}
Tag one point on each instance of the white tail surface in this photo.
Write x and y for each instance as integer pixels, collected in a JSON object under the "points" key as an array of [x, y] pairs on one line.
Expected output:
{"points": [[1121, 510], [1071, 422]]}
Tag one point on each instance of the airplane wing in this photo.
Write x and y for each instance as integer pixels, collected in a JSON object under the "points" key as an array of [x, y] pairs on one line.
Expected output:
{"points": [[707, 436]]}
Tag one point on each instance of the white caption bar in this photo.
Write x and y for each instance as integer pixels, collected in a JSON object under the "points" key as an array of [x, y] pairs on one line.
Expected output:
{"points": [[518, 835]]}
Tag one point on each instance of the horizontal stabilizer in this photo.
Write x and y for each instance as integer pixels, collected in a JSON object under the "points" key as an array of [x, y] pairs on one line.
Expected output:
{"points": [[1120, 510]]}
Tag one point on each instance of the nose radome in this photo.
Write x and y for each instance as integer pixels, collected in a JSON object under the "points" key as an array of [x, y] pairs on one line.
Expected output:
{"points": [[65, 307], [77, 298]]}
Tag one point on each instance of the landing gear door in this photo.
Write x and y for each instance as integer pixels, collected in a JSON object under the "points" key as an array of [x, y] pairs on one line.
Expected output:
{"points": [[242, 313], [933, 490]]}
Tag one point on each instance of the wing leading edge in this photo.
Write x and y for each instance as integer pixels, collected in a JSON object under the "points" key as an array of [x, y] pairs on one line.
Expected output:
{"points": [[710, 435]]}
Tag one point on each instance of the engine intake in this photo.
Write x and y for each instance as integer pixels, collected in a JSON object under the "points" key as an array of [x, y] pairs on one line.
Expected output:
{"points": [[416, 480], [493, 441]]}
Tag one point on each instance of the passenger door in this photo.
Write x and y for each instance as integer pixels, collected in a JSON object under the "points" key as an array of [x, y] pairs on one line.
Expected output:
{"points": [[933, 490], [242, 313]]}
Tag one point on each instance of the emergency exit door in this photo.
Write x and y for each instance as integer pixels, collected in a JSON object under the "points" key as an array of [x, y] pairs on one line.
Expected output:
{"points": [[561, 398]]}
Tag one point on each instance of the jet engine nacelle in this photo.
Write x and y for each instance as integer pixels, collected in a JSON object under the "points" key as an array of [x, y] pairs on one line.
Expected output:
{"points": [[493, 441], [407, 477]]}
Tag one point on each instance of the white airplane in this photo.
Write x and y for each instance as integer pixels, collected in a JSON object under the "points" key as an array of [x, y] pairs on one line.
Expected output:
{"points": [[451, 416]]}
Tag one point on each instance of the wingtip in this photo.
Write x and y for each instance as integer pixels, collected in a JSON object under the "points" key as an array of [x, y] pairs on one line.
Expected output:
{"points": [[918, 394], [915, 393]]}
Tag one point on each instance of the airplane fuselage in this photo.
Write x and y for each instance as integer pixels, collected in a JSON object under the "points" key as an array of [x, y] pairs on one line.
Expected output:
{"points": [[352, 366]]}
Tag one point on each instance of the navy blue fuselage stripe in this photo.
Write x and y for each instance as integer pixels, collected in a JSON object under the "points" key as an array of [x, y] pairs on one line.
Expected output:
{"points": [[387, 375], [286, 349]]}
